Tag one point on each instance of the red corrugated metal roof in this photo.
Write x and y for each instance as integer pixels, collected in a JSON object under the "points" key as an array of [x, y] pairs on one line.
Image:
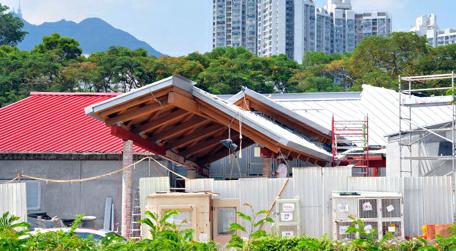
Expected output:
{"points": [[56, 122]]}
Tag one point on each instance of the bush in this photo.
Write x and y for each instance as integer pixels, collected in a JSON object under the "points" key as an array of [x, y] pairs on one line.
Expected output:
{"points": [[166, 236], [15, 236]]}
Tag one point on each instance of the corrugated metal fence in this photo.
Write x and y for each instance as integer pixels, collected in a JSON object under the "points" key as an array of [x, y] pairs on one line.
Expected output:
{"points": [[426, 199], [13, 199]]}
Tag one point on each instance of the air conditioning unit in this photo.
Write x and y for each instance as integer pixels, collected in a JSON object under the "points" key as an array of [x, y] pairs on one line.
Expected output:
{"points": [[287, 222], [381, 212]]}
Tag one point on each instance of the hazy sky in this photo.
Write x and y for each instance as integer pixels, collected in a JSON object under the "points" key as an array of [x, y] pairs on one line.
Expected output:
{"points": [[177, 27]]}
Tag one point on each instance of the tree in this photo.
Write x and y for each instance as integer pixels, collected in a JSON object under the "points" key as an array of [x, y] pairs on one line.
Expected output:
{"points": [[10, 27], [305, 83], [58, 47], [388, 57]]}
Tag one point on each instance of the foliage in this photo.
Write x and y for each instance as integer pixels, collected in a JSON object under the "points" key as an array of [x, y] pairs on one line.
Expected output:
{"points": [[14, 235], [57, 65], [11, 231], [10, 27], [59, 48], [166, 236], [253, 231]]}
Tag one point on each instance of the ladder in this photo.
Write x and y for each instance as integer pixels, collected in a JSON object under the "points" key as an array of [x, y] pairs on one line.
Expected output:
{"points": [[136, 217]]}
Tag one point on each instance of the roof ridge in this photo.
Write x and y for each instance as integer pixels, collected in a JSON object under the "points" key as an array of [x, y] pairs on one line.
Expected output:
{"points": [[74, 93]]}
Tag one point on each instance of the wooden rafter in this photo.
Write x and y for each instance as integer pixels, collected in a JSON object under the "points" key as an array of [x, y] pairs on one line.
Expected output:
{"points": [[178, 130], [132, 103], [201, 133], [211, 157], [206, 145], [249, 132], [165, 119], [138, 112]]}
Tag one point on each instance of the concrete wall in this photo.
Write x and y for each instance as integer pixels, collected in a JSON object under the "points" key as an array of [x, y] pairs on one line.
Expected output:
{"points": [[66, 200]]}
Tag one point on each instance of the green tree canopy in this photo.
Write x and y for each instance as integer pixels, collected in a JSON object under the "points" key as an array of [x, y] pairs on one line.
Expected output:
{"points": [[10, 27], [60, 48]]}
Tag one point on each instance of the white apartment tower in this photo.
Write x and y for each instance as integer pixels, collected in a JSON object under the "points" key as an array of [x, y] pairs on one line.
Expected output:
{"points": [[293, 27], [343, 18], [275, 27], [235, 24], [304, 28], [427, 26]]}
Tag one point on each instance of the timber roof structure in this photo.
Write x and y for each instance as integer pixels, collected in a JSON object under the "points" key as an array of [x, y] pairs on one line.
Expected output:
{"points": [[185, 124]]}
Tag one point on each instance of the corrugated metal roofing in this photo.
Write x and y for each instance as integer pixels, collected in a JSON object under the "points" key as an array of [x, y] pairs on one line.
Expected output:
{"points": [[56, 122], [380, 104]]}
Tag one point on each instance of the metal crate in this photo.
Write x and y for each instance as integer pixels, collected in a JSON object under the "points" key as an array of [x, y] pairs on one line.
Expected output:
{"points": [[381, 212]]}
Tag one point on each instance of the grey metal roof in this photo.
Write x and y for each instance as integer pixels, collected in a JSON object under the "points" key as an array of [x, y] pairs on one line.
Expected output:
{"points": [[380, 104]]}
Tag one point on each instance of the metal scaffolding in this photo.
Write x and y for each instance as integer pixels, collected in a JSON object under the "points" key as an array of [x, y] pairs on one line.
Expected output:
{"points": [[351, 134], [407, 102]]}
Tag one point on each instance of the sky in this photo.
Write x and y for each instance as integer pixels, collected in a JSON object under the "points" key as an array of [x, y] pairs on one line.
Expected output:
{"points": [[178, 27]]}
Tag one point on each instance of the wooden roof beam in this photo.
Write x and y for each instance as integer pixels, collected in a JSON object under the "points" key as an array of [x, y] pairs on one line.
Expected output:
{"points": [[250, 133], [183, 102], [177, 130], [135, 102], [206, 145], [137, 112], [167, 118], [211, 157], [139, 141], [203, 132]]}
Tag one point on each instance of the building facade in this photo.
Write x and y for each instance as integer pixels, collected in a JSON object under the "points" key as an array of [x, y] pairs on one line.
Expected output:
{"points": [[323, 33], [275, 27], [343, 19], [427, 26], [304, 28], [235, 24], [372, 24], [294, 27]]}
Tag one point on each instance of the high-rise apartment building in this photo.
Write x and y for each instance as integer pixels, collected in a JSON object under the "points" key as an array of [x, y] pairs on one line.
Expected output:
{"points": [[275, 27], [427, 26], [304, 28], [323, 31], [235, 24], [343, 18], [372, 24], [293, 27]]}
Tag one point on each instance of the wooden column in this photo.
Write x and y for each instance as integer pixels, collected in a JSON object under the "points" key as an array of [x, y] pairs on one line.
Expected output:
{"points": [[267, 167], [127, 185]]}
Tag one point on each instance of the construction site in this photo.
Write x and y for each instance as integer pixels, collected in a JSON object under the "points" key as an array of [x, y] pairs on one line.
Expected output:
{"points": [[312, 160]]}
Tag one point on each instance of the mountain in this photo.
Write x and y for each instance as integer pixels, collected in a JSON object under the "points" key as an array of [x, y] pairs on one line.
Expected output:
{"points": [[94, 34]]}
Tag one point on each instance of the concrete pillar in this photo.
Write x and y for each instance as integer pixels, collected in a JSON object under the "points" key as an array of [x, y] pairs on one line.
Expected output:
{"points": [[127, 189], [267, 167]]}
